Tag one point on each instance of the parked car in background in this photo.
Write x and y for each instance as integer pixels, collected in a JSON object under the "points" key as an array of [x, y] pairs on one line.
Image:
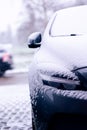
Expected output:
{"points": [[6, 59], [58, 73]]}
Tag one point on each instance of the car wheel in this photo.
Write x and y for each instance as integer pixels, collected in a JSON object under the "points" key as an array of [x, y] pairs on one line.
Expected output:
{"points": [[2, 73]]}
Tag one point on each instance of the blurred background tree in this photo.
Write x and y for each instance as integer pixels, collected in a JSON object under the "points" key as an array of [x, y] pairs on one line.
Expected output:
{"points": [[33, 16], [38, 14]]}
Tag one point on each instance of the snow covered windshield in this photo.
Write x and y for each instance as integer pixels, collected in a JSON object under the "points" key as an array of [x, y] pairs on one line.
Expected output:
{"points": [[70, 22]]}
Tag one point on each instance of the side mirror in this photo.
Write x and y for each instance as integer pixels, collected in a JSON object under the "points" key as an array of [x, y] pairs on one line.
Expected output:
{"points": [[34, 40]]}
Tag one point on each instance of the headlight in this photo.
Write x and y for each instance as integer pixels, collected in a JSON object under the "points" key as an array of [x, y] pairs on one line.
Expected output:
{"points": [[60, 83]]}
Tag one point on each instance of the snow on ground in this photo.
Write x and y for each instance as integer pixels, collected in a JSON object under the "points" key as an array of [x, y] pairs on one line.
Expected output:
{"points": [[16, 70], [15, 108]]}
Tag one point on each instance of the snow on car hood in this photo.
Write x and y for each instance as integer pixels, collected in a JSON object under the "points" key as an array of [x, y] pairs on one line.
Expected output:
{"points": [[68, 52]]}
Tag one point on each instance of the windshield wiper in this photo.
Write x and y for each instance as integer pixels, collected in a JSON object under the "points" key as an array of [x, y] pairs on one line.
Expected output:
{"points": [[73, 34]]}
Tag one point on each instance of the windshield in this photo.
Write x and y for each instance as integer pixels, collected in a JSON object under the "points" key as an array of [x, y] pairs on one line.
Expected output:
{"points": [[70, 23]]}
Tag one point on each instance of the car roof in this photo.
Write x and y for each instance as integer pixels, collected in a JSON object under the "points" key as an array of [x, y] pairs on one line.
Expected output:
{"points": [[80, 8]]}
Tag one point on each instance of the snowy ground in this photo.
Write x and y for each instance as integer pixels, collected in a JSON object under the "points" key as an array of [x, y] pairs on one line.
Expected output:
{"points": [[15, 108]]}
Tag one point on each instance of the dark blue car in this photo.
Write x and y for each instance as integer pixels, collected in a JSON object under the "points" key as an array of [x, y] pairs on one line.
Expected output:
{"points": [[58, 73], [6, 60]]}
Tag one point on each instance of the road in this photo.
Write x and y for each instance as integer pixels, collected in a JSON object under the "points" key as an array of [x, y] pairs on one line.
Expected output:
{"points": [[15, 107], [14, 78]]}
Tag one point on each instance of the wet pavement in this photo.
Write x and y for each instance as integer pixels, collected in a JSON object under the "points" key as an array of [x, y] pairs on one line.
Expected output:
{"points": [[14, 78]]}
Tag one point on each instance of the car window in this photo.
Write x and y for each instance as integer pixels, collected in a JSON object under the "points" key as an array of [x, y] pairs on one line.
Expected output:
{"points": [[70, 23]]}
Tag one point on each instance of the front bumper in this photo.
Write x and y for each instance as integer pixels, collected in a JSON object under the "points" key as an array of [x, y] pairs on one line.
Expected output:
{"points": [[51, 102], [48, 101]]}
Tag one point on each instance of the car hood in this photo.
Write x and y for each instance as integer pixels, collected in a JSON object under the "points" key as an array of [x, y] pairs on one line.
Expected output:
{"points": [[69, 52]]}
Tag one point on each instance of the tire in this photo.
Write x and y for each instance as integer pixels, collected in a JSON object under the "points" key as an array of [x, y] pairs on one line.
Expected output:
{"points": [[2, 73]]}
